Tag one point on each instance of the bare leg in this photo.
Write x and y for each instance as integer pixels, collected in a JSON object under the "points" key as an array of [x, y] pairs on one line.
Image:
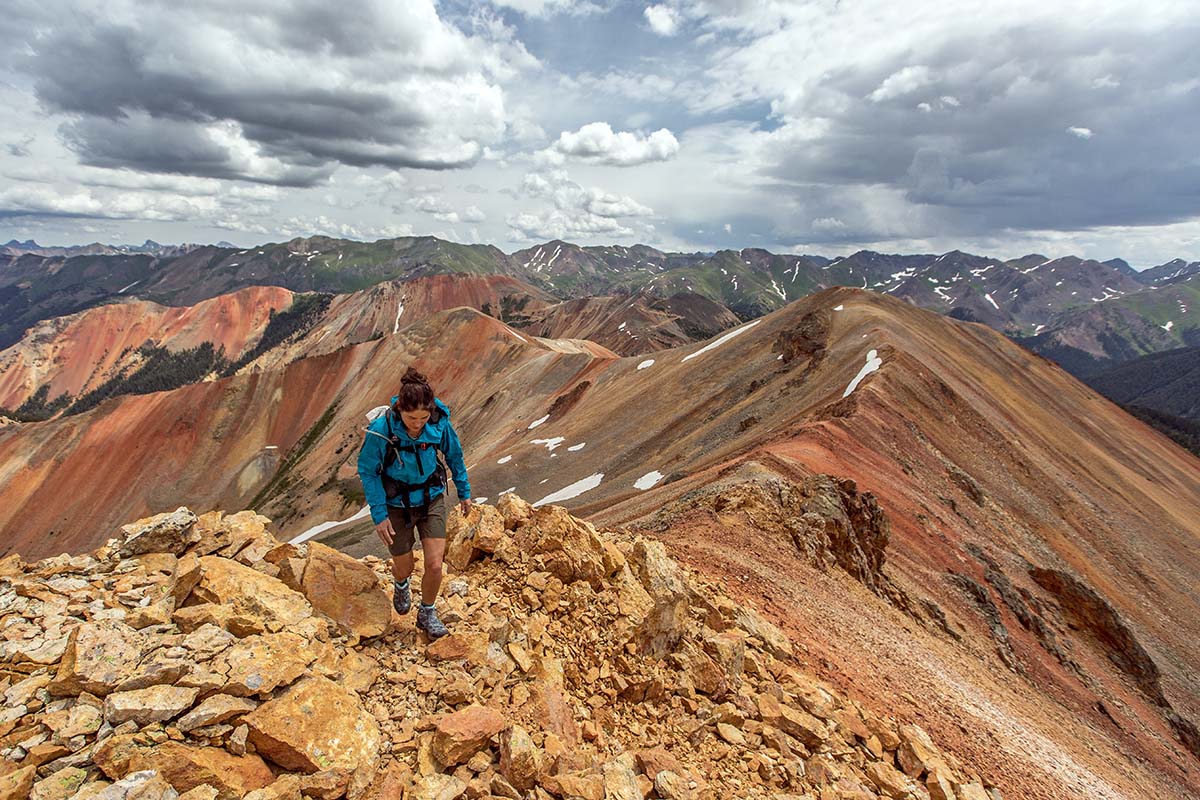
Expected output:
{"points": [[431, 580], [402, 566]]}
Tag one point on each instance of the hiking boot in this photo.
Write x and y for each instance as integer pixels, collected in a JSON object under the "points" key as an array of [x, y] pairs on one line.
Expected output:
{"points": [[427, 620], [401, 597]]}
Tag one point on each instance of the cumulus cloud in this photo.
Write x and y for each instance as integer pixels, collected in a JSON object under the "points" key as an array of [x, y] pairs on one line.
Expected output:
{"points": [[578, 211], [901, 83], [282, 95], [1082, 133], [663, 19], [442, 209], [828, 224], [324, 226], [596, 142]]}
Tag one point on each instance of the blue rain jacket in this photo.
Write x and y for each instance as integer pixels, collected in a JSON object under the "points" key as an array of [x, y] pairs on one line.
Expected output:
{"points": [[405, 468]]}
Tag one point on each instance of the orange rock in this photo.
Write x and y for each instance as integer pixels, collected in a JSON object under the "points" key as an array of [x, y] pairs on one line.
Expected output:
{"points": [[520, 760], [99, 657], [470, 538], [315, 725], [552, 712], [264, 603], [803, 726], [464, 733], [515, 511], [471, 647], [257, 665], [891, 781], [16, 785], [347, 591], [186, 767]]}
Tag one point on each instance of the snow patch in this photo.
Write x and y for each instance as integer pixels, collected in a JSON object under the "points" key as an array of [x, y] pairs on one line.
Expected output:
{"points": [[399, 311], [1167, 327], [648, 480], [990, 300], [575, 448], [130, 286], [504, 460], [874, 362], [715, 344], [324, 526], [574, 490], [550, 443], [838, 307], [537, 422], [649, 362]]}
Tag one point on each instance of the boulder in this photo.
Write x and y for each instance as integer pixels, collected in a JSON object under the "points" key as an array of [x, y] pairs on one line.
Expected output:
{"points": [[515, 511], [664, 623], [11, 564], [806, 728], [437, 787], [59, 785], [257, 665], [143, 706], [520, 759], [185, 767], [570, 548], [916, 753], [347, 591], [316, 725], [247, 532], [464, 733], [16, 785], [471, 537], [215, 709], [145, 785], [890, 781], [163, 533], [258, 603], [99, 657], [620, 781]]}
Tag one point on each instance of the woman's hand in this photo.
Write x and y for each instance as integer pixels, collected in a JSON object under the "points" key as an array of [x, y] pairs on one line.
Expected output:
{"points": [[386, 532], [465, 506]]}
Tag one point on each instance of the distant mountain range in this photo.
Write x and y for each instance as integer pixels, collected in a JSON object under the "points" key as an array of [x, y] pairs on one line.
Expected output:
{"points": [[15, 248], [1086, 315]]}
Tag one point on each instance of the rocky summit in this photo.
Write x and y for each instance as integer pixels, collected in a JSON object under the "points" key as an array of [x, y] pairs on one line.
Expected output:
{"points": [[199, 657]]}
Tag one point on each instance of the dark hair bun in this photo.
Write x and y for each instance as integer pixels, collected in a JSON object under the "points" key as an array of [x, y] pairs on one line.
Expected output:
{"points": [[412, 376], [415, 392]]}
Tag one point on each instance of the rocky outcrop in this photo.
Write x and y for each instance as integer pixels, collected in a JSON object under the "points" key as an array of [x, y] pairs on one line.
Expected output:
{"points": [[828, 520], [580, 666], [807, 340], [1092, 613]]}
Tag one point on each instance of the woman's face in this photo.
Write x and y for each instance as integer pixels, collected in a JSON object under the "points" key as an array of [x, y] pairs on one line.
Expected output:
{"points": [[414, 420]]}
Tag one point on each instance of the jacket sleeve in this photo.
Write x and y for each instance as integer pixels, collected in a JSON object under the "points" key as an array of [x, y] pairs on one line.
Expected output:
{"points": [[369, 459], [454, 459]]}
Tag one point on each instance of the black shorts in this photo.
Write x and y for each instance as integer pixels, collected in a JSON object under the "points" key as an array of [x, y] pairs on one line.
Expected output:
{"points": [[430, 523]]}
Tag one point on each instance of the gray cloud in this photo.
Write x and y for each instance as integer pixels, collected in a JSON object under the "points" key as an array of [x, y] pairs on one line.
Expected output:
{"points": [[272, 93], [1018, 131]]}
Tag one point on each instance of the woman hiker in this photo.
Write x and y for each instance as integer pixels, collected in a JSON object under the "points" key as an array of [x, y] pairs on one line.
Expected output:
{"points": [[405, 486]]}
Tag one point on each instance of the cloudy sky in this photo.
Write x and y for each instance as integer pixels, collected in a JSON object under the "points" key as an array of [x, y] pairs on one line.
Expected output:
{"points": [[1055, 126]]}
